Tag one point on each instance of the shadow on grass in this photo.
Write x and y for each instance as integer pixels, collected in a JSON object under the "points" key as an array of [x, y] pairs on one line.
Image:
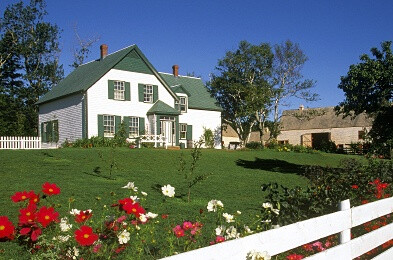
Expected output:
{"points": [[273, 165]]}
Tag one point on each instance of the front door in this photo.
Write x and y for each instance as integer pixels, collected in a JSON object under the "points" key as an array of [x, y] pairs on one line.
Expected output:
{"points": [[168, 132]]}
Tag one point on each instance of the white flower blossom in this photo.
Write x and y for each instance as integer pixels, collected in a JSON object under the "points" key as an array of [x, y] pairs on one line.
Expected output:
{"points": [[255, 255], [220, 230], [134, 198], [248, 230], [239, 212], [151, 215], [266, 221], [64, 226], [143, 218], [131, 186], [231, 233], [124, 237], [62, 239], [213, 205], [275, 226], [73, 253], [75, 212], [228, 217], [276, 211], [267, 205], [168, 190], [143, 193]]}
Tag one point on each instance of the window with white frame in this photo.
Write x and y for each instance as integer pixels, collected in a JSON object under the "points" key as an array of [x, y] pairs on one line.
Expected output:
{"points": [[148, 94], [119, 90], [134, 126], [183, 104], [109, 125], [183, 131]]}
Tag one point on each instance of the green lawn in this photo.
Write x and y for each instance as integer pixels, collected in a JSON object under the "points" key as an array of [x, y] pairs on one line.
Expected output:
{"points": [[236, 177]]}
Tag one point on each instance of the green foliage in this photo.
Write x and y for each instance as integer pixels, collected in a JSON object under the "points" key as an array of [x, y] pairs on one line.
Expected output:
{"points": [[241, 86], [326, 146], [208, 137], [34, 61], [368, 88], [120, 138], [254, 145], [97, 141]]}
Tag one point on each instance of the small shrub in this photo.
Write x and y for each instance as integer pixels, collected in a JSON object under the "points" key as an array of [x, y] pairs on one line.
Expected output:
{"points": [[208, 137], [254, 145]]}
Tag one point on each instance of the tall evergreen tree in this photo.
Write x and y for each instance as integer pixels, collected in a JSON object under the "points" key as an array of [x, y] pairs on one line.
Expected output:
{"points": [[37, 49]]}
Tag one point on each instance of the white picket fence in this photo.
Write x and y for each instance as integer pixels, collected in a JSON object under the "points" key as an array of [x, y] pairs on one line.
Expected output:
{"points": [[20, 142], [156, 139], [282, 239]]}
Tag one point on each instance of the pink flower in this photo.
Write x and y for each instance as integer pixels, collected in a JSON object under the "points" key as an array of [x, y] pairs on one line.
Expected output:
{"points": [[179, 232], [187, 225], [295, 257], [318, 245], [220, 239]]}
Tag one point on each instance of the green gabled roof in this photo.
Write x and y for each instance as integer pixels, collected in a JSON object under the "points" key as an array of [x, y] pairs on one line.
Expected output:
{"points": [[180, 89], [83, 77], [161, 108], [199, 97]]}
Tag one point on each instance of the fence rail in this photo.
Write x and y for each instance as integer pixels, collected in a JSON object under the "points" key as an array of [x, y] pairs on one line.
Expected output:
{"points": [[156, 139], [20, 142], [280, 240]]}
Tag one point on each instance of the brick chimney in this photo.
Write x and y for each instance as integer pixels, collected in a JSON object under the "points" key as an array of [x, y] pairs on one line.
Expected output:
{"points": [[175, 70], [104, 51]]}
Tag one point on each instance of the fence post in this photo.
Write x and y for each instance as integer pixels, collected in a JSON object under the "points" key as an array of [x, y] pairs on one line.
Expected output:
{"points": [[345, 235]]}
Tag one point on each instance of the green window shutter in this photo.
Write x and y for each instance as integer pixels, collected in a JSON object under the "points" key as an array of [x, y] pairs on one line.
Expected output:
{"points": [[127, 92], [43, 137], [158, 125], [189, 132], [117, 123], [155, 93], [140, 92], [49, 131], [111, 89], [141, 126], [100, 125], [177, 133], [126, 121]]}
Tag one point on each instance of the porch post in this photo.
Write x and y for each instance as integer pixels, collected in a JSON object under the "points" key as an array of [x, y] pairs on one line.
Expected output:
{"points": [[155, 131]]}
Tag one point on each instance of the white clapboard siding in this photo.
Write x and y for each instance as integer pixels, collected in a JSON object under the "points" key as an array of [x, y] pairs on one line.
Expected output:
{"points": [[291, 236], [20, 142]]}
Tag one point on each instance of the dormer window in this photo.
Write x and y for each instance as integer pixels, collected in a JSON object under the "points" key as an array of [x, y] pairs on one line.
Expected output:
{"points": [[148, 94], [183, 104], [119, 90]]}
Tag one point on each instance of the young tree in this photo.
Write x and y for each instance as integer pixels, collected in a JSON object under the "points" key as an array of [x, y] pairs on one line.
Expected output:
{"points": [[38, 49], [82, 51], [368, 87], [287, 79], [241, 87]]}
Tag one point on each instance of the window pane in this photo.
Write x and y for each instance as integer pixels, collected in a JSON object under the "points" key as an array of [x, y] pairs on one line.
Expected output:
{"points": [[134, 126], [148, 93], [109, 125], [119, 90]]}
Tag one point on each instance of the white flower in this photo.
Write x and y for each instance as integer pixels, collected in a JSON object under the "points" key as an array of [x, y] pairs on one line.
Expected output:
{"points": [[213, 205], [276, 211], [73, 252], [131, 186], [62, 239], [143, 193], [266, 221], [248, 230], [143, 218], [75, 212], [255, 255], [239, 212], [231, 233], [275, 226], [168, 190], [267, 205], [134, 198], [123, 237], [228, 217], [151, 215], [220, 230], [64, 226]]}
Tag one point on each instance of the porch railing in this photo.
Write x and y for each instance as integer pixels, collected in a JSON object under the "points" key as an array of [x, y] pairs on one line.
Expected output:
{"points": [[156, 139]]}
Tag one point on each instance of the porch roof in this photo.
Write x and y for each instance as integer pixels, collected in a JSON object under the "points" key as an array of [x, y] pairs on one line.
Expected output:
{"points": [[161, 108]]}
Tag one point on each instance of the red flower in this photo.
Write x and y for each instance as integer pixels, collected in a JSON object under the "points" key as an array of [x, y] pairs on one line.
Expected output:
{"points": [[295, 257], [27, 215], [179, 232], [308, 247], [34, 198], [47, 215], [135, 209], [364, 201], [220, 239], [187, 225], [50, 189], [164, 216], [83, 216], [21, 196], [355, 187], [85, 236], [7, 229], [34, 231]]}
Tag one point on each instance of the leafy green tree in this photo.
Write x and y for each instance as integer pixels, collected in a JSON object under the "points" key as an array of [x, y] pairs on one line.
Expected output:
{"points": [[241, 87], [287, 79], [37, 49], [368, 88]]}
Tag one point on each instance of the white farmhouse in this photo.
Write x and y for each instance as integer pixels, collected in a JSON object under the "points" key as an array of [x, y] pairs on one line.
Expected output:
{"points": [[124, 86]]}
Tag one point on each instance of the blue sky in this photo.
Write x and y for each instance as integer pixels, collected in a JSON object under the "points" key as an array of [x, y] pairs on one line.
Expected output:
{"points": [[195, 34]]}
